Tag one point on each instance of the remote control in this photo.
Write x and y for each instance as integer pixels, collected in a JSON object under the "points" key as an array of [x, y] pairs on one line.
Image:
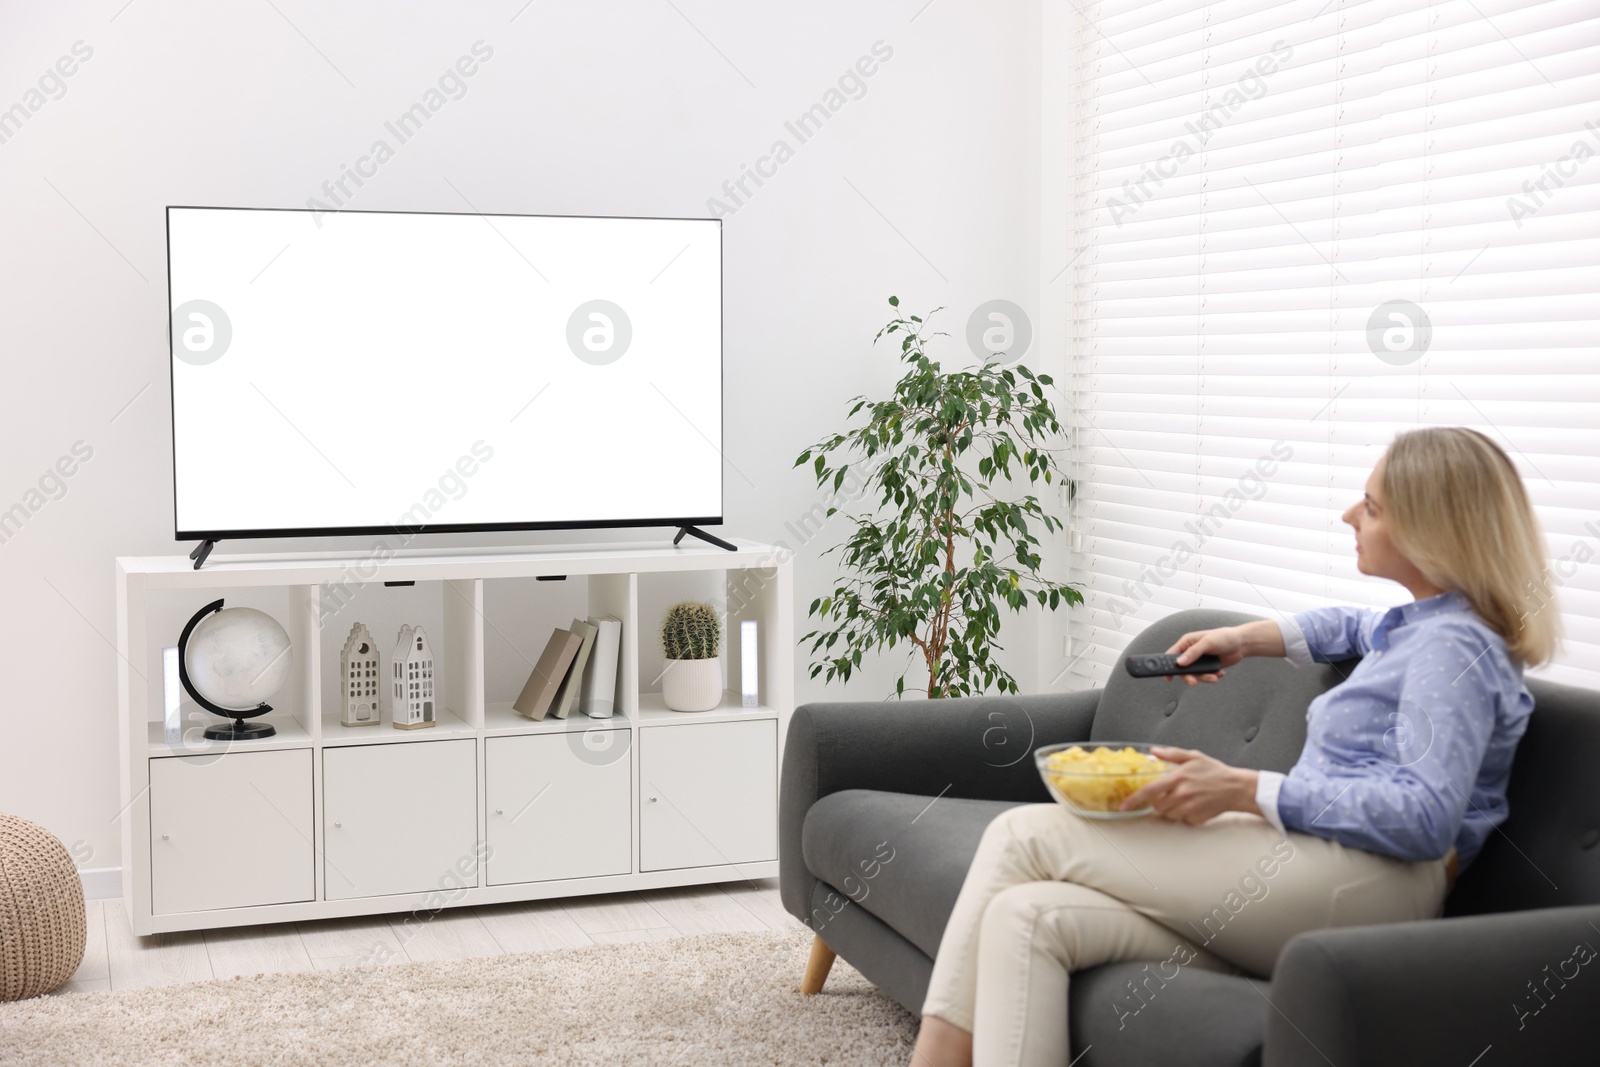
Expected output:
{"points": [[1157, 666]]}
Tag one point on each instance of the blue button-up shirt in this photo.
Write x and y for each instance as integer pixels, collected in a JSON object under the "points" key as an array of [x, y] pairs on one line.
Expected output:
{"points": [[1411, 753]]}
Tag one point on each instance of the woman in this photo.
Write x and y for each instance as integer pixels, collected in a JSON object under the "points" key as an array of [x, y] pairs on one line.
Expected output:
{"points": [[1402, 777]]}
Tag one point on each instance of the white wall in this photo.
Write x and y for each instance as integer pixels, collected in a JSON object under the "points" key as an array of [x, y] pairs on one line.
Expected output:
{"points": [[926, 187]]}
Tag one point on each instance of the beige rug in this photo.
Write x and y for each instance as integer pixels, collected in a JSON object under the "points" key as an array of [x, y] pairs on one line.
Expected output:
{"points": [[707, 999]]}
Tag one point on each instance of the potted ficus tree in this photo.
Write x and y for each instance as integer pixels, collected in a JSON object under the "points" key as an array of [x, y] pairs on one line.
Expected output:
{"points": [[691, 636], [943, 547]]}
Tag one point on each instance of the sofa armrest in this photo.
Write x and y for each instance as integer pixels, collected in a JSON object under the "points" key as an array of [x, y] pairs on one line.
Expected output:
{"points": [[1526, 983], [976, 747]]}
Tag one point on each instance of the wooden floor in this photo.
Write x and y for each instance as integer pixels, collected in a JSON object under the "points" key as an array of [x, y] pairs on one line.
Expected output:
{"points": [[116, 959]]}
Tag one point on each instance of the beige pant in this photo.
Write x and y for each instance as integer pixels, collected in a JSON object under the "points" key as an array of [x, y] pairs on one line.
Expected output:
{"points": [[1050, 892]]}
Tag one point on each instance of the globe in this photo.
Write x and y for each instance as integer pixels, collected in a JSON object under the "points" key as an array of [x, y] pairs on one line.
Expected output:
{"points": [[237, 658]]}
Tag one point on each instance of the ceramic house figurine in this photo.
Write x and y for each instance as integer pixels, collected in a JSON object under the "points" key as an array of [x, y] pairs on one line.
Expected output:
{"points": [[412, 707], [358, 673]]}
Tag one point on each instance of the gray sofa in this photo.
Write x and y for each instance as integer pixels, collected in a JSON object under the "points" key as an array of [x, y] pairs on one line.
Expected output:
{"points": [[882, 804]]}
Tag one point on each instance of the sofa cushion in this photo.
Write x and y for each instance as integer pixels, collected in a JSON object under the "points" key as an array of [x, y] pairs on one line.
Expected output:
{"points": [[901, 859], [1255, 717], [878, 951], [1547, 852], [1198, 1018], [899, 856]]}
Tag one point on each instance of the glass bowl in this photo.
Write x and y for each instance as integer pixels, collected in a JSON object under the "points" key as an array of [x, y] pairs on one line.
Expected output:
{"points": [[1094, 788]]}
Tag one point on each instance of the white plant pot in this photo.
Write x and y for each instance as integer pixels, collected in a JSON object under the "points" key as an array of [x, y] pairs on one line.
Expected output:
{"points": [[692, 684]]}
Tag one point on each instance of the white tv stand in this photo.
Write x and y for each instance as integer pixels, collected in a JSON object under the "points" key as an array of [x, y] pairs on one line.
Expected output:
{"points": [[322, 820]]}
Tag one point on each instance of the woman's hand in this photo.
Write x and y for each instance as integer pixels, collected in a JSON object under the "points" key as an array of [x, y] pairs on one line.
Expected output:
{"points": [[1199, 788], [1226, 643]]}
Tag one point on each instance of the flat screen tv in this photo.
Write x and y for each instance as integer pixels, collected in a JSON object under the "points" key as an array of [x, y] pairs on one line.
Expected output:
{"points": [[363, 372]]}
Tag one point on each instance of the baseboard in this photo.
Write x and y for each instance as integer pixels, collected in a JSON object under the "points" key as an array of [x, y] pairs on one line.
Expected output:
{"points": [[101, 883]]}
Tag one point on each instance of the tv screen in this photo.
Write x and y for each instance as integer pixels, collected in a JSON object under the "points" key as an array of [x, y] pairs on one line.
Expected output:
{"points": [[366, 372]]}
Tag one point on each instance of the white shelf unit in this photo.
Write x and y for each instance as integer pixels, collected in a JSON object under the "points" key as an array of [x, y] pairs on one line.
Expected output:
{"points": [[323, 820]]}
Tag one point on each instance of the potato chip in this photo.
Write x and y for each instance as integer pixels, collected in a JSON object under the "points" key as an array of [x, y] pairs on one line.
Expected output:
{"points": [[1099, 780]]}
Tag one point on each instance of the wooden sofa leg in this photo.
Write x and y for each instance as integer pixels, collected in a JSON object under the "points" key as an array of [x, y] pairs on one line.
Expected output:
{"points": [[817, 967]]}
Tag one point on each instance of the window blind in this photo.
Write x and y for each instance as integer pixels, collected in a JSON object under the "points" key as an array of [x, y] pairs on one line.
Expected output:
{"points": [[1299, 229]]}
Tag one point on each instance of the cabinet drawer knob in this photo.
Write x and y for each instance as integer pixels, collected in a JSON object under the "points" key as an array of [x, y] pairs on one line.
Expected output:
{"points": [[338, 826], [164, 837], [652, 800], [499, 811]]}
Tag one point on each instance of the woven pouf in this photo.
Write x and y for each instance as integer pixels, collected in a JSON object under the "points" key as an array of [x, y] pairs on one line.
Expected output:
{"points": [[42, 930]]}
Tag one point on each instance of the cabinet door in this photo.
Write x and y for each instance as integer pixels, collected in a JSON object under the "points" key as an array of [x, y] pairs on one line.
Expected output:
{"points": [[400, 818], [231, 831], [708, 794], [557, 808]]}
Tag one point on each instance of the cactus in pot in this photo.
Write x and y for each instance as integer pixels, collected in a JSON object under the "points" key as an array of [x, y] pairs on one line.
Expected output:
{"points": [[691, 637]]}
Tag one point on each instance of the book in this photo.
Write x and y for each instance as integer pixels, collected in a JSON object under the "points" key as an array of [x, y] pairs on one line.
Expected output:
{"points": [[567, 695], [599, 698], [540, 689]]}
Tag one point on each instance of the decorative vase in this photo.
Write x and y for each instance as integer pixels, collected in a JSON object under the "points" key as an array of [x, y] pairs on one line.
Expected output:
{"points": [[692, 684]]}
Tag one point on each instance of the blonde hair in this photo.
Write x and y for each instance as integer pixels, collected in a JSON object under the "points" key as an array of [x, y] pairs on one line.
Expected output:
{"points": [[1457, 509]]}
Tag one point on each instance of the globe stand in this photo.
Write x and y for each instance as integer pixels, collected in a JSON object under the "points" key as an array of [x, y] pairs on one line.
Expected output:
{"points": [[238, 729]]}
